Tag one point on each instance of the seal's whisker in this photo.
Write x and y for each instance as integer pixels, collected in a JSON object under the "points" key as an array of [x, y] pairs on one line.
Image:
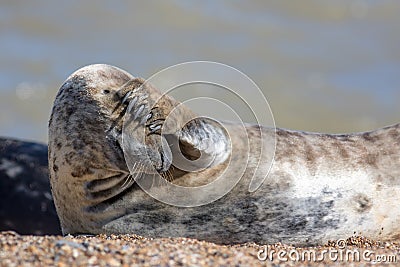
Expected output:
{"points": [[139, 173], [167, 175], [126, 182], [171, 176], [129, 176]]}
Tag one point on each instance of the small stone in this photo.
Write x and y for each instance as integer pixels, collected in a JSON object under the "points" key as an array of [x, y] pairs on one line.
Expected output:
{"points": [[92, 260], [75, 253], [114, 263]]}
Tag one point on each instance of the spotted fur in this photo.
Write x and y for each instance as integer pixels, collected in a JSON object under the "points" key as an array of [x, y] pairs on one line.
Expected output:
{"points": [[320, 186]]}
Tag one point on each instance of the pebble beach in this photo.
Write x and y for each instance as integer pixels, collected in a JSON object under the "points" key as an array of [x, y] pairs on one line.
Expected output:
{"points": [[133, 250]]}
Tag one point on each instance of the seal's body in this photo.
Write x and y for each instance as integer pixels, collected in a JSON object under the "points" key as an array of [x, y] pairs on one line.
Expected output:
{"points": [[320, 186], [26, 205]]}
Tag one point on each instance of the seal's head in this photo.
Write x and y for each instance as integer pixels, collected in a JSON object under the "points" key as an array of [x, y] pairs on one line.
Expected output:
{"points": [[86, 160], [105, 134]]}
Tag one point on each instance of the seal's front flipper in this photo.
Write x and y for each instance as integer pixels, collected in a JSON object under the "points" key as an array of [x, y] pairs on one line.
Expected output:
{"points": [[169, 132]]}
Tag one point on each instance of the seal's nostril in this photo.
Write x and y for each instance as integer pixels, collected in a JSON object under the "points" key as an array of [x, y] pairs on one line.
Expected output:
{"points": [[106, 92]]}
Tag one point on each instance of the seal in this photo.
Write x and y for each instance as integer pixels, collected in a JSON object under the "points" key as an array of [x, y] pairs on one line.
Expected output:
{"points": [[320, 187], [26, 204]]}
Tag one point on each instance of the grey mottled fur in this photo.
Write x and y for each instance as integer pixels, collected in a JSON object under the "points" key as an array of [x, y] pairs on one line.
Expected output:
{"points": [[320, 186]]}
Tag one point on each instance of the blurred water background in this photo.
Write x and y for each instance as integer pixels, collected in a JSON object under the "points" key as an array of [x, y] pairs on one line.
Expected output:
{"points": [[331, 66]]}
